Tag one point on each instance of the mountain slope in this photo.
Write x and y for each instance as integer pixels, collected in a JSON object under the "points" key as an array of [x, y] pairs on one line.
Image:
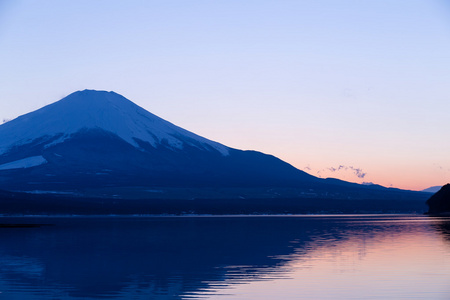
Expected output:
{"points": [[432, 189], [107, 111], [93, 139], [439, 203]]}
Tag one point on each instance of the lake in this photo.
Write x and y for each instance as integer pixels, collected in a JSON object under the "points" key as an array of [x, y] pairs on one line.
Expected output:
{"points": [[226, 257]]}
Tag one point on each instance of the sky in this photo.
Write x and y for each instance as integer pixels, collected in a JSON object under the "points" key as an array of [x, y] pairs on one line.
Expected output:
{"points": [[356, 90]]}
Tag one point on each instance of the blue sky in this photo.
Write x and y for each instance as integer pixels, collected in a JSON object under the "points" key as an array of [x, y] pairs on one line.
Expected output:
{"points": [[321, 84]]}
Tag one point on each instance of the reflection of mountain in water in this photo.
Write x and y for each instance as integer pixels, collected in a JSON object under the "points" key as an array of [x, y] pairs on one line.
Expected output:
{"points": [[89, 257]]}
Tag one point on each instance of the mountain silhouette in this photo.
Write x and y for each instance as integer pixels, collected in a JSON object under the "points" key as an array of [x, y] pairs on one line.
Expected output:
{"points": [[95, 145], [97, 138], [440, 202]]}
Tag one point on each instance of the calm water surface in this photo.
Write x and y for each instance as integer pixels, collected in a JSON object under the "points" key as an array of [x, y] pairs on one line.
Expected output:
{"points": [[257, 257]]}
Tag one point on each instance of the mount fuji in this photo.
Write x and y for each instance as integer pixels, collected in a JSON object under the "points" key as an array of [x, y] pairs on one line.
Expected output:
{"points": [[98, 152], [101, 139]]}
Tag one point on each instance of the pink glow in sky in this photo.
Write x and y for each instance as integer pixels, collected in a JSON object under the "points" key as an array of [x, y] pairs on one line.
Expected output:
{"points": [[320, 84]]}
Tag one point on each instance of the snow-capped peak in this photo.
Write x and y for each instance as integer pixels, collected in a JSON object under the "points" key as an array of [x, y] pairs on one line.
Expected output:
{"points": [[109, 111]]}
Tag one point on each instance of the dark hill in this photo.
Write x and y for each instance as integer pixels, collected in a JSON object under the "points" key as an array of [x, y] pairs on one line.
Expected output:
{"points": [[440, 202]]}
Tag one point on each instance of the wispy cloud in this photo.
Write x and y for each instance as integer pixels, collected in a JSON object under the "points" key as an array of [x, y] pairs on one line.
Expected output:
{"points": [[357, 171], [341, 169]]}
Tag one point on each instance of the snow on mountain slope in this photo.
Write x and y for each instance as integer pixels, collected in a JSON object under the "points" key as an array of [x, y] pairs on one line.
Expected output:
{"points": [[90, 109], [28, 162]]}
